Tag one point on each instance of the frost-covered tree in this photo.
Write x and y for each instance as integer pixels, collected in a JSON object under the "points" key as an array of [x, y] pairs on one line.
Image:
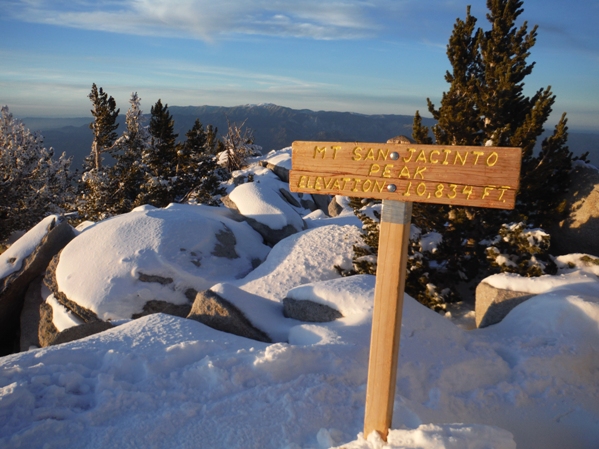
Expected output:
{"points": [[238, 146], [104, 125], [128, 171], [198, 174], [33, 183], [95, 196]]}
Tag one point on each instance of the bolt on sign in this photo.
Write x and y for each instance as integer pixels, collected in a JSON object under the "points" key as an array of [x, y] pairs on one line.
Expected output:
{"points": [[400, 174]]}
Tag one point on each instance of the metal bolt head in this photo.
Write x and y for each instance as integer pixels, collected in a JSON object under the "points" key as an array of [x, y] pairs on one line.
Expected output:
{"points": [[391, 188], [394, 156]]}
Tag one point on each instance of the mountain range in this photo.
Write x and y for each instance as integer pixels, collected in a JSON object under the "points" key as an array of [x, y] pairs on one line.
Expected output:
{"points": [[274, 127]]}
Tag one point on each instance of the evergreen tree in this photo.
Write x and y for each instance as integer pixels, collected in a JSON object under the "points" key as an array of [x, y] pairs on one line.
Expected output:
{"points": [[104, 125], [486, 105], [95, 197], [199, 175], [33, 183], [160, 159], [128, 169]]}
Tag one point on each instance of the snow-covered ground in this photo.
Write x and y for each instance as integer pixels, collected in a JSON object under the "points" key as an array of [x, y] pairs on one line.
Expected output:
{"points": [[531, 381]]}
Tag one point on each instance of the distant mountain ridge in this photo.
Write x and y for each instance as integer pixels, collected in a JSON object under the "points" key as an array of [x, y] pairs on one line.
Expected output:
{"points": [[274, 127]]}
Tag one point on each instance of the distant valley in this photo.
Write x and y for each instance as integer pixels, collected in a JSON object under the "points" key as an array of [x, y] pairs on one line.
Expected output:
{"points": [[274, 127]]}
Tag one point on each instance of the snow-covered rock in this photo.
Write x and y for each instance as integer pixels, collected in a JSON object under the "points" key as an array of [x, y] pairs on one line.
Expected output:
{"points": [[20, 264], [492, 304], [266, 210], [213, 310], [123, 265], [306, 257], [353, 299], [498, 294]]}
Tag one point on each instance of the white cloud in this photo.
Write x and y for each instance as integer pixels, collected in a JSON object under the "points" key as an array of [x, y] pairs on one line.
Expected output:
{"points": [[206, 19]]}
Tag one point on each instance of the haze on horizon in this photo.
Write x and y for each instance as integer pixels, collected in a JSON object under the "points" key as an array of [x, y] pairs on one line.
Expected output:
{"points": [[375, 57]]}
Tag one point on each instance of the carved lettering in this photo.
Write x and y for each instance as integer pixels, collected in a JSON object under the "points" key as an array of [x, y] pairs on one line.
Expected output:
{"points": [[492, 159], [374, 168], [447, 153], [357, 152], [319, 151], [412, 151], [419, 171], [335, 149], [461, 157], [477, 154], [387, 171]]}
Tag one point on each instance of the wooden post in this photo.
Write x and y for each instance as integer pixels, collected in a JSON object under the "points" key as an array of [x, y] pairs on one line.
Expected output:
{"points": [[388, 305]]}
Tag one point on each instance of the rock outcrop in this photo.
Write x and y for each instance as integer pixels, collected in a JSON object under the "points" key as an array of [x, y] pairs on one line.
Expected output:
{"points": [[30, 315], [578, 232], [493, 304], [213, 310], [14, 286], [310, 311]]}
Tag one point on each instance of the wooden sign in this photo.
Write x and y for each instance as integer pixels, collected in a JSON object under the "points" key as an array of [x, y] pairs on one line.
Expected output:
{"points": [[465, 176], [400, 174]]}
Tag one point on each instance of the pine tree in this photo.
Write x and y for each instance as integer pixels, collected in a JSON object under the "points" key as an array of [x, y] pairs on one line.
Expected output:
{"points": [[95, 197], [33, 183], [160, 159], [104, 125], [128, 169], [486, 105], [199, 176]]}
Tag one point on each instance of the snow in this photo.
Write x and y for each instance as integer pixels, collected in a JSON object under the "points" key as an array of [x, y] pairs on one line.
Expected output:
{"points": [[530, 381], [352, 296], [179, 242], [62, 318], [262, 201], [537, 285], [431, 241], [281, 158], [12, 259], [448, 436], [305, 257]]}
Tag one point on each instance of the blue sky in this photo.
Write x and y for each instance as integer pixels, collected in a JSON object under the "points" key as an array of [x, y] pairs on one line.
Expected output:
{"points": [[368, 56]]}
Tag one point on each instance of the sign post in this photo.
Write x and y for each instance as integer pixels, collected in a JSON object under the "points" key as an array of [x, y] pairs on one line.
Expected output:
{"points": [[401, 174]]}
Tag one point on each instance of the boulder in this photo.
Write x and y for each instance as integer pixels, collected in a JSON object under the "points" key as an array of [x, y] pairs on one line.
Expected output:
{"points": [[322, 202], [55, 234], [578, 232], [213, 310], [81, 331], [47, 332], [334, 208], [279, 170], [400, 139], [306, 310], [493, 304], [266, 210], [30, 315], [152, 261], [84, 314]]}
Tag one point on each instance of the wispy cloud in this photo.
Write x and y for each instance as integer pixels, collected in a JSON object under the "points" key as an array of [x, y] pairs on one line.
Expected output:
{"points": [[205, 19]]}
